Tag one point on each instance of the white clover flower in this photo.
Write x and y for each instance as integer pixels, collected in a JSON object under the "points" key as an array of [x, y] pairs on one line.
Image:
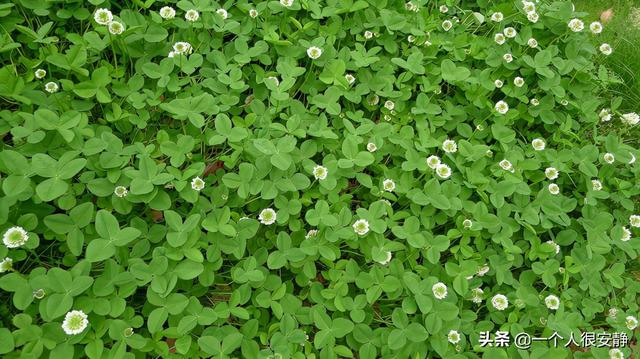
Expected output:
{"points": [[510, 32], [449, 146], [350, 78], [253, 13], [371, 147], [411, 6], [51, 87], [518, 81], [433, 161], [507, 58], [411, 38], [479, 127], [631, 322], [447, 25], [6, 265], [497, 17], [554, 189], [267, 216], [116, 28], [171, 54], [453, 337], [538, 144], [373, 100], [533, 43], [534, 102], [389, 105], [368, 34], [388, 185], [596, 27], [197, 184], [633, 159], [552, 302], [502, 107], [182, 47], [386, 261], [223, 13], [320, 172], [605, 49], [427, 43], [443, 171], [555, 246], [274, 79], [630, 118], [499, 38], [311, 233], [15, 237], [634, 220], [483, 270], [444, 9], [533, 17], [39, 293], [616, 353], [361, 227], [604, 114], [192, 15], [467, 223], [103, 16], [626, 234], [609, 158], [40, 73], [121, 191], [286, 3], [596, 185], [506, 165], [477, 295], [75, 322], [564, 102], [314, 52], [439, 290], [613, 312], [167, 12], [528, 7], [498, 83], [387, 117], [576, 25], [551, 173], [500, 302]]}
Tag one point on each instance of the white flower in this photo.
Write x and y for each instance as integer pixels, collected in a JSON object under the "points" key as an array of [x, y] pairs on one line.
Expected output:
{"points": [[564, 102], [253, 13], [51, 87], [371, 147], [533, 43], [555, 246], [167, 13], [535, 102], [467, 223], [616, 353], [274, 79], [361, 227], [103, 16], [320, 172], [631, 322], [538, 144], [427, 43], [604, 114], [518, 81], [551, 173], [499, 38], [192, 15], [387, 117], [552, 302], [533, 17], [6, 265], [314, 52], [411, 6], [502, 107], [75, 322], [388, 185], [386, 261], [605, 49], [171, 54], [286, 3], [576, 25], [116, 28], [528, 7], [197, 184], [595, 27], [554, 189], [223, 13], [507, 58], [634, 220], [15, 237], [182, 47], [373, 100], [389, 105], [609, 158], [311, 233], [439, 290], [411, 38], [498, 83], [350, 78], [497, 17], [483, 270], [506, 165], [444, 9], [510, 32], [267, 216], [368, 34], [500, 302], [453, 337], [121, 191], [40, 73], [613, 312], [630, 118], [633, 159], [443, 171], [626, 234], [433, 161], [477, 295], [449, 146], [447, 25], [479, 127], [596, 185]]}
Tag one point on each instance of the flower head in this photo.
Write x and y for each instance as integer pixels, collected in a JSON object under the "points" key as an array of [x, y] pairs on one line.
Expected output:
{"points": [[634, 220], [320, 172], [447, 25], [499, 38], [350, 78], [361, 227], [630, 118], [552, 302], [631, 322], [267, 216], [75, 322], [467, 223], [40, 73], [476, 295], [368, 34], [439, 290], [538, 144], [311, 233], [433, 161], [120, 191], [533, 43], [453, 337], [253, 13], [167, 13], [609, 158], [483, 270], [518, 81], [626, 234], [576, 25], [182, 47], [507, 58], [605, 115], [387, 259], [388, 185], [51, 87], [371, 147], [533, 17], [500, 302], [498, 83], [615, 353], [314, 52], [497, 17], [6, 265], [223, 13], [286, 3], [502, 107], [605, 49], [510, 32], [555, 246], [506, 165], [197, 184], [595, 27], [103, 16], [116, 28], [443, 171], [528, 7], [551, 173], [389, 105], [15, 237], [192, 15], [444, 9], [449, 146]]}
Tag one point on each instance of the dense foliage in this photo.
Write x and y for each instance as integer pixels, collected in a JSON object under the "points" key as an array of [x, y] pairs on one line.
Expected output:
{"points": [[311, 179]]}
